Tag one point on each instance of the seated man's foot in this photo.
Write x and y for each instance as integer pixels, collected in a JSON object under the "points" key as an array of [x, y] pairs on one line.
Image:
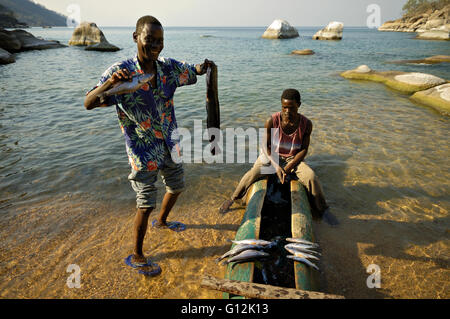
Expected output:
{"points": [[330, 218], [226, 206]]}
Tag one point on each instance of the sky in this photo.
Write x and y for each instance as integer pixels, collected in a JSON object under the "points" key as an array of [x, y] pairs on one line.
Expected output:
{"points": [[227, 12]]}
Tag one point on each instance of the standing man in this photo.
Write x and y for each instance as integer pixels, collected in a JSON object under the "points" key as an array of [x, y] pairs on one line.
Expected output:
{"points": [[148, 123], [290, 133]]}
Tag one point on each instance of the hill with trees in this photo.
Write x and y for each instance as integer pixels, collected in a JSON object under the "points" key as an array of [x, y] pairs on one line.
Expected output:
{"points": [[29, 13]]}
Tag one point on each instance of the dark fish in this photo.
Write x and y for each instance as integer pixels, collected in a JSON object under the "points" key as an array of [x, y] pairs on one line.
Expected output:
{"points": [[212, 107]]}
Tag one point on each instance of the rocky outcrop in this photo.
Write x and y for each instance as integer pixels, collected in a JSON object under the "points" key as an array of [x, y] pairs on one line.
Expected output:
{"points": [[89, 35], [303, 52], [431, 60], [20, 40], [437, 97], [407, 82], [280, 29], [428, 25], [333, 31], [6, 57], [427, 89]]}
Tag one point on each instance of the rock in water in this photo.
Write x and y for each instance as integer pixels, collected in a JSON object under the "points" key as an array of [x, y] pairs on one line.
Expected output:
{"points": [[333, 31], [103, 47], [280, 29], [303, 52], [30, 42], [88, 34], [9, 42], [6, 57]]}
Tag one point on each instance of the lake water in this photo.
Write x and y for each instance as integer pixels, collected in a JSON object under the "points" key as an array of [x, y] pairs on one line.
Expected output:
{"points": [[65, 199]]}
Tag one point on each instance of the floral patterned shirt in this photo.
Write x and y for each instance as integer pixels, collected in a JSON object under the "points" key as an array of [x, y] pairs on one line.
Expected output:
{"points": [[147, 116]]}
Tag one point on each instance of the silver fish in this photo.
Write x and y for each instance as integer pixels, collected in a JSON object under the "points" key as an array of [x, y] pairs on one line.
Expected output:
{"points": [[301, 254], [237, 250], [303, 260], [247, 255], [301, 248], [301, 241], [124, 87], [258, 242]]}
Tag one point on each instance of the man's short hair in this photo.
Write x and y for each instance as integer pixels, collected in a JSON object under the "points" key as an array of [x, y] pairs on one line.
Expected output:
{"points": [[291, 94], [146, 20]]}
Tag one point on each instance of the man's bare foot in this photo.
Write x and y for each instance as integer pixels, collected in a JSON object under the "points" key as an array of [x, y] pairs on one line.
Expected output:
{"points": [[226, 206], [138, 259]]}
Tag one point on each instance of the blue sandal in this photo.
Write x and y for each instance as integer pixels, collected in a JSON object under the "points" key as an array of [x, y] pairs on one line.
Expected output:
{"points": [[148, 268], [175, 226]]}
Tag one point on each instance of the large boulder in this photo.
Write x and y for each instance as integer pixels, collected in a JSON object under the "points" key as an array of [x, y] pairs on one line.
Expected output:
{"points": [[280, 29], [9, 42], [333, 31], [437, 97], [89, 35], [407, 82], [6, 57]]}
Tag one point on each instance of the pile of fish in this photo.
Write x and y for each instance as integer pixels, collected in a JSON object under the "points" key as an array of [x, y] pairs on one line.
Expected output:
{"points": [[253, 249], [246, 250], [302, 250]]}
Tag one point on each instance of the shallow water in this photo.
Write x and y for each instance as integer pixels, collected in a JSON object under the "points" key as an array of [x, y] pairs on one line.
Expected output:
{"points": [[382, 160]]}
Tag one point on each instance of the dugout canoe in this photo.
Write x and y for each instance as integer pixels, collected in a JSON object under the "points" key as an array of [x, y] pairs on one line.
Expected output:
{"points": [[301, 227]]}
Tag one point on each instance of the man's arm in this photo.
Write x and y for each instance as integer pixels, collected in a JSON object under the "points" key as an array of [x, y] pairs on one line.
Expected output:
{"points": [[92, 99], [268, 152], [300, 156]]}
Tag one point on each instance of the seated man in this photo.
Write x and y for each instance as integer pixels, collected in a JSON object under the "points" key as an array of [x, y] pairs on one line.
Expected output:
{"points": [[290, 132]]}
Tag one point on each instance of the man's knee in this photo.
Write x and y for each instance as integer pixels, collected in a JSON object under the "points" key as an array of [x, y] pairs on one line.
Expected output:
{"points": [[145, 211]]}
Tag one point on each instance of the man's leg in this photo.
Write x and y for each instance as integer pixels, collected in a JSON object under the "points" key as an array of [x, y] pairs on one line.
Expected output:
{"points": [[140, 228], [246, 181], [167, 204]]}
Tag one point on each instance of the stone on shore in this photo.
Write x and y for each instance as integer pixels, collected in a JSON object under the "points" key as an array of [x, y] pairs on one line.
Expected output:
{"points": [[303, 52], [333, 31], [407, 82], [280, 29], [440, 33], [437, 97], [6, 57]]}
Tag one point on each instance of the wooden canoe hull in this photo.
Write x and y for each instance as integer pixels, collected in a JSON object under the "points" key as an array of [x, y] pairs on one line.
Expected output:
{"points": [[249, 229], [301, 225]]}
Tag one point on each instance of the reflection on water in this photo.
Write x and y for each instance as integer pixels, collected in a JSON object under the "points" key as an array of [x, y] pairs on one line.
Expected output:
{"points": [[65, 198]]}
